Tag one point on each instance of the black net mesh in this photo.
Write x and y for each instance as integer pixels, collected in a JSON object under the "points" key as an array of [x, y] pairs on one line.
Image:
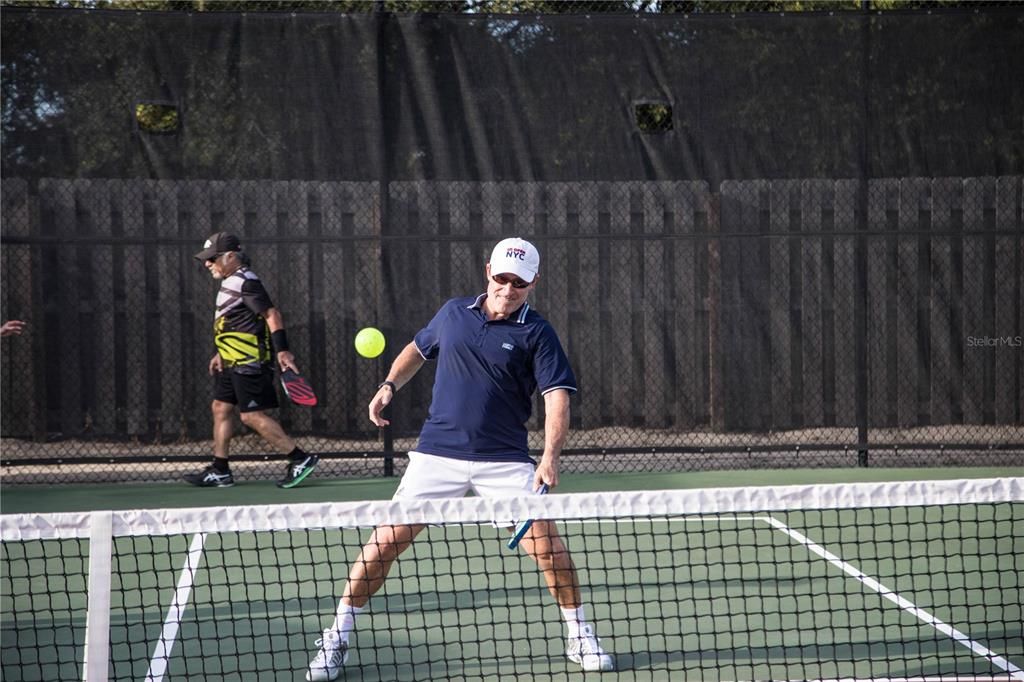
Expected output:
{"points": [[700, 584]]}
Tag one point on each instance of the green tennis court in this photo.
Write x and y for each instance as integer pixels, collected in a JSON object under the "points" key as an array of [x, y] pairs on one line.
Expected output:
{"points": [[880, 593]]}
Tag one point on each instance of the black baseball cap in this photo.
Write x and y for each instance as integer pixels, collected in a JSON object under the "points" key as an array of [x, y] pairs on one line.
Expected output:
{"points": [[221, 242]]}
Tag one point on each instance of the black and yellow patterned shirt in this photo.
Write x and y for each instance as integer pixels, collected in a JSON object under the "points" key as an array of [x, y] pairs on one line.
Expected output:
{"points": [[239, 330]]}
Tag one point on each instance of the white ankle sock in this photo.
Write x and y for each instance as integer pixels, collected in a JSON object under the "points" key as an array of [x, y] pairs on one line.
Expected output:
{"points": [[574, 620], [345, 620]]}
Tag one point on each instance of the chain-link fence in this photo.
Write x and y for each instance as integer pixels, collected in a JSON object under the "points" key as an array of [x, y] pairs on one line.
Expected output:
{"points": [[707, 329], [738, 283]]}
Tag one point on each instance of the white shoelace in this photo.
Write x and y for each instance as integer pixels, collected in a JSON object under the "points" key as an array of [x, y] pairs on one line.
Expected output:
{"points": [[330, 654]]}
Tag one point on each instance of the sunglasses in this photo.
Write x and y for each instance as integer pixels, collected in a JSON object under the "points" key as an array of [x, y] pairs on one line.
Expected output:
{"points": [[514, 281], [213, 258]]}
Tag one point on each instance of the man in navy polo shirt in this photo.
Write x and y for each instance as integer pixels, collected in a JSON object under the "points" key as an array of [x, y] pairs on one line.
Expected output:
{"points": [[492, 351]]}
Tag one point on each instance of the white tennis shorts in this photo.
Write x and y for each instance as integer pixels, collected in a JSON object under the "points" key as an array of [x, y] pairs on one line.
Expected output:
{"points": [[430, 476]]}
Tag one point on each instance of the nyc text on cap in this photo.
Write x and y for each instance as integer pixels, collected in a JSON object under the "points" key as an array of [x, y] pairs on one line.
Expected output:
{"points": [[515, 256]]}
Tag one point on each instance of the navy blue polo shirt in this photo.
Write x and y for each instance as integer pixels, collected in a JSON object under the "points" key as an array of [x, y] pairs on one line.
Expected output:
{"points": [[486, 374]]}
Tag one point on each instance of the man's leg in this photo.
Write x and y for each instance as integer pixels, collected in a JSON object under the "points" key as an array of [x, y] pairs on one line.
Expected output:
{"points": [[218, 473], [370, 569], [426, 476], [365, 577], [223, 427], [544, 544], [268, 427], [300, 463]]}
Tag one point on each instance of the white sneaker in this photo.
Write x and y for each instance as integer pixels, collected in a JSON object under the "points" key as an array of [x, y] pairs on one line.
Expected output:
{"points": [[586, 651], [332, 655]]}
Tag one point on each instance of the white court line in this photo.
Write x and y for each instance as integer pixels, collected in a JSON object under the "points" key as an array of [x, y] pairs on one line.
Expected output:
{"points": [[909, 607], [162, 653]]}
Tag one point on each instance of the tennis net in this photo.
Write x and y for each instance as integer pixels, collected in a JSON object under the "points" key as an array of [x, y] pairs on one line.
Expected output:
{"points": [[908, 581]]}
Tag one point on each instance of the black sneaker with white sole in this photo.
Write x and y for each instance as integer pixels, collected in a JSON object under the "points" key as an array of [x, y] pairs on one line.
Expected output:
{"points": [[210, 478], [296, 472]]}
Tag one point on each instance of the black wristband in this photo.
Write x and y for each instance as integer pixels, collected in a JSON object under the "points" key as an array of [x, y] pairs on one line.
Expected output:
{"points": [[389, 384], [280, 340]]}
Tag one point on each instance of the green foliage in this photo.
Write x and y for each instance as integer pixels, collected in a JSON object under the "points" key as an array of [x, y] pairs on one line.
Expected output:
{"points": [[156, 118], [654, 118]]}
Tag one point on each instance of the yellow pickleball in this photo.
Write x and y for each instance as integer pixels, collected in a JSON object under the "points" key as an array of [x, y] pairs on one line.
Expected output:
{"points": [[370, 342]]}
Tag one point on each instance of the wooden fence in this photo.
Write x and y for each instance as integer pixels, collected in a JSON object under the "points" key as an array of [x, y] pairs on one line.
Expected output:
{"points": [[681, 308], [944, 279], [121, 313], [622, 270]]}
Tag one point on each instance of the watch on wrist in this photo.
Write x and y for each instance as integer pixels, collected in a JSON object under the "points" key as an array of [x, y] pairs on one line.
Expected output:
{"points": [[389, 384]]}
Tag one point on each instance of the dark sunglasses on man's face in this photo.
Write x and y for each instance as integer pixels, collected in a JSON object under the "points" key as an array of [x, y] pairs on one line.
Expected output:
{"points": [[514, 281]]}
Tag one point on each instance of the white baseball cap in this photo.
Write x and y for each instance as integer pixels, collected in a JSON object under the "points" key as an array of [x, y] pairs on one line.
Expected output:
{"points": [[515, 256]]}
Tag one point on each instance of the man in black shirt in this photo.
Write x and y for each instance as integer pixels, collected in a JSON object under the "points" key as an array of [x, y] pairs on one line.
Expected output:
{"points": [[246, 324]]}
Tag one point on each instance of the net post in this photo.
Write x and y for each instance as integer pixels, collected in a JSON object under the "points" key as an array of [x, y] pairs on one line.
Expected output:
{"points": [[97, 630], [863, 228], [384, 37]]}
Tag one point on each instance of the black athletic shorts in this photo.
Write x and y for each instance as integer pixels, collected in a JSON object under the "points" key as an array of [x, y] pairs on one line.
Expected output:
{"points": [[251, 392]]}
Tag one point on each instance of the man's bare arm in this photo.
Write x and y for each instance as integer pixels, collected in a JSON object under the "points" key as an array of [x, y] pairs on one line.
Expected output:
{"points": [[402, 370]]}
